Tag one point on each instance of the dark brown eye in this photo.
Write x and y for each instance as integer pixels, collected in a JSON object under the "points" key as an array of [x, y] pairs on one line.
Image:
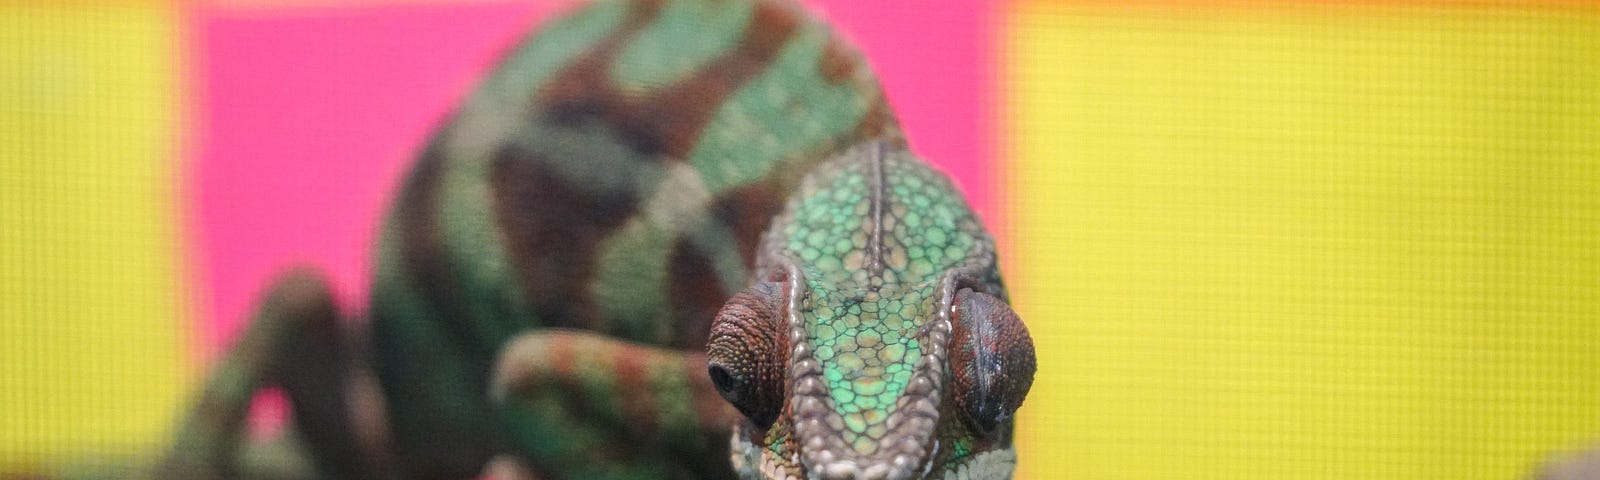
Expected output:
{"points": [[991, 358], [748, 350]]}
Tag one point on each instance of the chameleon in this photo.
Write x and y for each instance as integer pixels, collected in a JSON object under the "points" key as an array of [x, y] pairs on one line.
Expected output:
{"points": [[661, 239]]}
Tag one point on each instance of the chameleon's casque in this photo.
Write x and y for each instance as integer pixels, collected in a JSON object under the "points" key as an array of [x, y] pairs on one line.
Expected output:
{"points": [[662, 239]]}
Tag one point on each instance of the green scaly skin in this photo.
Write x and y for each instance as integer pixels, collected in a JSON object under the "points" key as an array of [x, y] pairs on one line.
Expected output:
{"points": [[551, 269], [872, 251]]}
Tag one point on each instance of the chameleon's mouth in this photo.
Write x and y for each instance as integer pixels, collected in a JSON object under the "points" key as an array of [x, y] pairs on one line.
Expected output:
{"points": [[756, 462]]}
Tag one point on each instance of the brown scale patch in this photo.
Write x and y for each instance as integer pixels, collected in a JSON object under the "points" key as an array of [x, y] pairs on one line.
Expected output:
{"points": [[552, 229], [583, 89], [695, 294], [878, 122], [632, 369], [747, 211], [560, 356], [839, 61], [668, 122]]}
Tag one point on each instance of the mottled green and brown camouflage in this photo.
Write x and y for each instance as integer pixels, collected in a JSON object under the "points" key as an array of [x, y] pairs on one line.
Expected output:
{"points": [[636, 180]]}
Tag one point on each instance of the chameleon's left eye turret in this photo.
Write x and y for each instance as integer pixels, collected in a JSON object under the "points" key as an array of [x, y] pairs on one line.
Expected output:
{"points": [[748, 351], [991, 359]]}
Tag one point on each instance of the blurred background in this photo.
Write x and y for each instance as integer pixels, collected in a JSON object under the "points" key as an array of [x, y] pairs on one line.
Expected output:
{"points": [[1252, 239]]}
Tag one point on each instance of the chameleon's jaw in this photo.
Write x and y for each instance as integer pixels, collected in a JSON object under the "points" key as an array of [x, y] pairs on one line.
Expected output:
{"points": [[753, 462]]}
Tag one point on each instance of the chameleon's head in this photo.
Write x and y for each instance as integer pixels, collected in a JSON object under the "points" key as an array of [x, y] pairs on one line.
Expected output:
{"points": [[860, 354]]}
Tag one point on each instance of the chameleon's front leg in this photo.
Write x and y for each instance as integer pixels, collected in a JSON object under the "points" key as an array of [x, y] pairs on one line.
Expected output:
{"points": [[583, 405], [295, 342]]}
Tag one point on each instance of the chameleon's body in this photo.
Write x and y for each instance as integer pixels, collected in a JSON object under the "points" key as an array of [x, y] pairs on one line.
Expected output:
{"points": [[550, 273], [613, 175]]}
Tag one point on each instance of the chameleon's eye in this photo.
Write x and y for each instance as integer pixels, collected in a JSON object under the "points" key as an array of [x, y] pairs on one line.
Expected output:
{"points": [[748, 351], [991, 359]]}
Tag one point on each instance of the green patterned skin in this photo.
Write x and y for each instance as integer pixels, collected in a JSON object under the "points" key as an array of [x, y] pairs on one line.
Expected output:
{"points": [[554, 263], [862, 318]]}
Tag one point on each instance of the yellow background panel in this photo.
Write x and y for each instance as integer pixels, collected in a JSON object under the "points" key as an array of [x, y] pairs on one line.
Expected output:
{"points": [[91, 351], [1270, 241]]}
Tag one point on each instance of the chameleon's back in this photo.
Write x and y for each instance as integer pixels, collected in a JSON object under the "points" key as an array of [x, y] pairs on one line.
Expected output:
{"points": [[613, 173]]}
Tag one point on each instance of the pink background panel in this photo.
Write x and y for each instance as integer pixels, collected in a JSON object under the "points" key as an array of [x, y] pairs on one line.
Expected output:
{"points": [[305, 118]]}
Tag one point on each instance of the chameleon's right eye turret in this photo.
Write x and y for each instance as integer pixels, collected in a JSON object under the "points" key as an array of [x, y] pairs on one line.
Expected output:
{"points": [[748, 351], [991, 358]]}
